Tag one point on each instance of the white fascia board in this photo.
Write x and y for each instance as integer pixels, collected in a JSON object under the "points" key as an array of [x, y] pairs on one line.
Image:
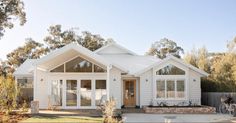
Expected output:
{"points": [[203, 73], [76, 47]]}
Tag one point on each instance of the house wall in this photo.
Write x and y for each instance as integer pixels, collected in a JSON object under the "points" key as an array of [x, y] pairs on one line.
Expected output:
{"points": [[195, 87], [146, 85], [115, 86], [41, 88], [148, 89]]}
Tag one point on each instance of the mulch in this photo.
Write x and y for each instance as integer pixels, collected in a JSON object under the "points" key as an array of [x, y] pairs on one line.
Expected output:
{"points": [[13, 117]]}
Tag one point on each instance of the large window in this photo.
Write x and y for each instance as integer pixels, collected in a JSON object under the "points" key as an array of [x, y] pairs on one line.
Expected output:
{"points": [[180, 89], [79, 65], [170, 89], [58, 69], [25, 82], [170, 70], [160, 89]]}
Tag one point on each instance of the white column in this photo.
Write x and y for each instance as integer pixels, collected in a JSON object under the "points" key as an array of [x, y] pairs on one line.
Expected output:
{"points": [[108, 81], [35, 83]]}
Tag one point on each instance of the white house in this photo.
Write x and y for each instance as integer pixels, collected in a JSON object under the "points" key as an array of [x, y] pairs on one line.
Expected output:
{"points": [[78, 78]]}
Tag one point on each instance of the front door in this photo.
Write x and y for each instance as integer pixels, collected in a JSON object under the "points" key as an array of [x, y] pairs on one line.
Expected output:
{"points": [[129, 93]]}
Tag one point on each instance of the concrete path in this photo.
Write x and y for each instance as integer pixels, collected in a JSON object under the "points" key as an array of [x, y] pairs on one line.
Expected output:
{"points": [[174, 118]]}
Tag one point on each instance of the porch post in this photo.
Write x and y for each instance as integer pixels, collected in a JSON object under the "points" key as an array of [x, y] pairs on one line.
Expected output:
{"points": [[108, 81], [35, 83]]}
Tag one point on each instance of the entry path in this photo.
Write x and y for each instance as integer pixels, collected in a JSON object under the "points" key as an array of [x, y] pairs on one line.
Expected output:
{"points": [[174, 118]]}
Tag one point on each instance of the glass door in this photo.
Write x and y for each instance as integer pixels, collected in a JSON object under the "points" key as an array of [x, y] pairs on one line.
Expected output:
{"points": [[71, 93], [86, 93]]}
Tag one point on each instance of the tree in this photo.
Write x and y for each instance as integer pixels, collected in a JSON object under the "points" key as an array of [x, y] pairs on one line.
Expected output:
{"points": [[163, 47], [203, 61], [11, 10], [54, 40], [58, 38], [30, 50], [232, 45], [191, 57]]}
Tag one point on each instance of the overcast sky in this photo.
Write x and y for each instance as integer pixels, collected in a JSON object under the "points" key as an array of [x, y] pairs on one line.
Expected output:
{"points": [[134, 24]]}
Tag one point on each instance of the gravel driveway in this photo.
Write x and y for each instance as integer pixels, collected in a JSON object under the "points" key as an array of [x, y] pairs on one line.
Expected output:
{"points": [[173, 118]]}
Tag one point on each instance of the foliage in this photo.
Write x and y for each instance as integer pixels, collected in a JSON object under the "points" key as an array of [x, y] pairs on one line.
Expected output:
{"points": [[220, 66], [5, 68], [24, 107], [30, 50], [11, 10], [108, 110], [163, 47], [58, 38], [55, 39], [8, 94]]}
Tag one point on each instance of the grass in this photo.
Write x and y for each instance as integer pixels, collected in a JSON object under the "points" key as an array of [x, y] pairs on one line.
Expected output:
{"points": [[63, 119]]}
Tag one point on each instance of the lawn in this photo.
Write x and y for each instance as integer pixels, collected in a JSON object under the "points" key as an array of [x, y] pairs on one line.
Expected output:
{"points": [[62, 119]]}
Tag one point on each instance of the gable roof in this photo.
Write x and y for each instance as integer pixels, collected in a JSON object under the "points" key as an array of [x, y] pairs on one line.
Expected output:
{"points": [[169, 57], [81, 50], [26, 68], [114, 48]]}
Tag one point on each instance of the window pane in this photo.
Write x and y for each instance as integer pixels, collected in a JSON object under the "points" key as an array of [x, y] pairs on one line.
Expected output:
{"points": [[56, 98], [170, 89], [25, 83], [99, 69], [71, 93], [180, 89], [170, 70], [58, 69], [100, 91], [78, 65], [86, 93], [160, 89]]}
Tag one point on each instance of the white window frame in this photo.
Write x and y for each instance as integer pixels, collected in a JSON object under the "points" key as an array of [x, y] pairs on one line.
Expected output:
{"points": [[64, 63], [175, 81], [170, 77]]}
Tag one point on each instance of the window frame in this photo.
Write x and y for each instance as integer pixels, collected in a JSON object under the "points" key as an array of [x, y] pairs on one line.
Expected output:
{"points": [[175, 89], [175, 78], [64, 64]]}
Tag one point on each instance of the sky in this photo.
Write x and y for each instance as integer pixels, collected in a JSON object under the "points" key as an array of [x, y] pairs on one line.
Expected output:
{"points": [[135, 24]]}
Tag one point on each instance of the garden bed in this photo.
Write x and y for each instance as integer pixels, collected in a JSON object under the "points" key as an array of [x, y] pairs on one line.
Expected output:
{"points": [[180, 109], [13, 117]]}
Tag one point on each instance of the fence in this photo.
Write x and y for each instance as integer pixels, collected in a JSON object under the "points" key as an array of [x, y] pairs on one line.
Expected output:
{"points": [[213, 98]]}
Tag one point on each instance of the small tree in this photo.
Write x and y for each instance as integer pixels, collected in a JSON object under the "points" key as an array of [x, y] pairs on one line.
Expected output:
{"points": [[8, 94]]}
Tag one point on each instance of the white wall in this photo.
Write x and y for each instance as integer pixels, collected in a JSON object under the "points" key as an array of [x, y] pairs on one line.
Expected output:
{"points": [[41, 91], [115, 86], [146, 88], [194, 87]]}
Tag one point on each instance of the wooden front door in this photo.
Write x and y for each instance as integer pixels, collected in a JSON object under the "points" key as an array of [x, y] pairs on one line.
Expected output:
{"points": [[129, 93]]}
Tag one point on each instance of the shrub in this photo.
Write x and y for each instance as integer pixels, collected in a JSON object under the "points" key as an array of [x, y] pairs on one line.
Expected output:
{"points": [[108, 110], [8, 94]]}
